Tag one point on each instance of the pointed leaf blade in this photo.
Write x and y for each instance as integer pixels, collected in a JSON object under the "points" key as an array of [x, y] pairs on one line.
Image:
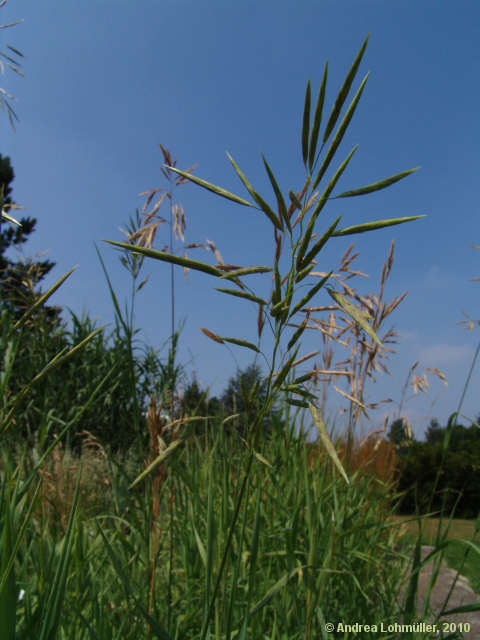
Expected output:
{"points": [[196, 265], [265, 207], [340, 132], [342, 94], [242, 343], [211, 187], [326, 440], [242, 294], [377, 224], [317, 118], [306, 124], [282, 207], [377, 186]]}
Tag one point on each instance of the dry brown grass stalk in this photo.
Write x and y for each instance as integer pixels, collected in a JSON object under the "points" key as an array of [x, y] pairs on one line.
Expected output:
{"points": [[59, 477]]}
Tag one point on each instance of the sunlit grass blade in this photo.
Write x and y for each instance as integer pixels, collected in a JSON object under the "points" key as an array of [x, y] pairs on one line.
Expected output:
{"points": [[211, 335], [306, 124], [242, 343], [151, 467], [265, 207], [377, 224], [244, 272], [211, 187], [317, 119], [340, 133], [377, 186], [242, 294], [282, 207], [342, 94], [358, 315], [277, 587], [313, 291], [196, 265], [317, 419], [5, 216], [31, 310]]}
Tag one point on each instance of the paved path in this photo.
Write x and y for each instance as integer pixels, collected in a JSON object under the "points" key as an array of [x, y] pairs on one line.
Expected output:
{"points": [[462, 594]]}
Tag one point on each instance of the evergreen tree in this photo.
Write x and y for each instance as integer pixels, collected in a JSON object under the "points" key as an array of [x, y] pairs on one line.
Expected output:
{"points": [[18, 280]]}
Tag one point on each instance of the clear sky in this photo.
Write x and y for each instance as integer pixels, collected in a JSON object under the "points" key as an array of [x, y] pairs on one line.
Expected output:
{"points": [[107, 81]]}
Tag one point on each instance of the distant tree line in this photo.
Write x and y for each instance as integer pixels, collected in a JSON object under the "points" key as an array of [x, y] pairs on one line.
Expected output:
{"points": [[420, 461]]}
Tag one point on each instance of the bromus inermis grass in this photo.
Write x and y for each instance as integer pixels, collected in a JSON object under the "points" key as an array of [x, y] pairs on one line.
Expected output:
{"points": [[294, 224]]}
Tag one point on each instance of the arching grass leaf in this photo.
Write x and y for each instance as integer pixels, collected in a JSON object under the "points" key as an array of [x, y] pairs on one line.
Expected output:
{"points": [[377, 224], [211, 187], [342, 94], [340, 132], [256, 196], [242, 294], [376, 186], [306, 124], [317, 419], [169, 257], [317, 118]]}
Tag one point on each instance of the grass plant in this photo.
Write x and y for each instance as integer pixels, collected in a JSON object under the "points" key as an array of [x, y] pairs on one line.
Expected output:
{"points": [[292, 232], [223, 537]]}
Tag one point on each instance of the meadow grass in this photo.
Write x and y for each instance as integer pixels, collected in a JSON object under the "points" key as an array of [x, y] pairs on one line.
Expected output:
{"points": [[223, 537]]}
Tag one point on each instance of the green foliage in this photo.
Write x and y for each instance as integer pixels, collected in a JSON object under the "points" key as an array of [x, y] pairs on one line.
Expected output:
{"points": [[19, 280], [245, 394], [459, 482]]}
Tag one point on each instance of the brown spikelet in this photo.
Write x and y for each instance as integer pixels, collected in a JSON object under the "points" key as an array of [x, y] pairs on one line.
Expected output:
{"points": [[212, 336]]}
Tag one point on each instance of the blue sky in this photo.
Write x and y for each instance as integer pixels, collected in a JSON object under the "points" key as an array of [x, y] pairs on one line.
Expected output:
{"points": [[107, 81]]}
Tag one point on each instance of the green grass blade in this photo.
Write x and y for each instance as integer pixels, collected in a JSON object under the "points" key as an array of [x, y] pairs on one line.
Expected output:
{"points": [[196, 265], [340, 132], [112, 294], [8, 590], [154, 626], [306, 124], [317, 119], [277, 587], [377, 224], [295, 200], [41, 300], [244, 272], [51, 619], [151, 467], [282, 207], [211, 187], [317, 419], [310, 294], [377, 186], [358, 315], [285, 370], [265, 207], [200, 545], [318, 246], [342, 94], [242, 294], [296, 335], [331, 185], [242, 343]]}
